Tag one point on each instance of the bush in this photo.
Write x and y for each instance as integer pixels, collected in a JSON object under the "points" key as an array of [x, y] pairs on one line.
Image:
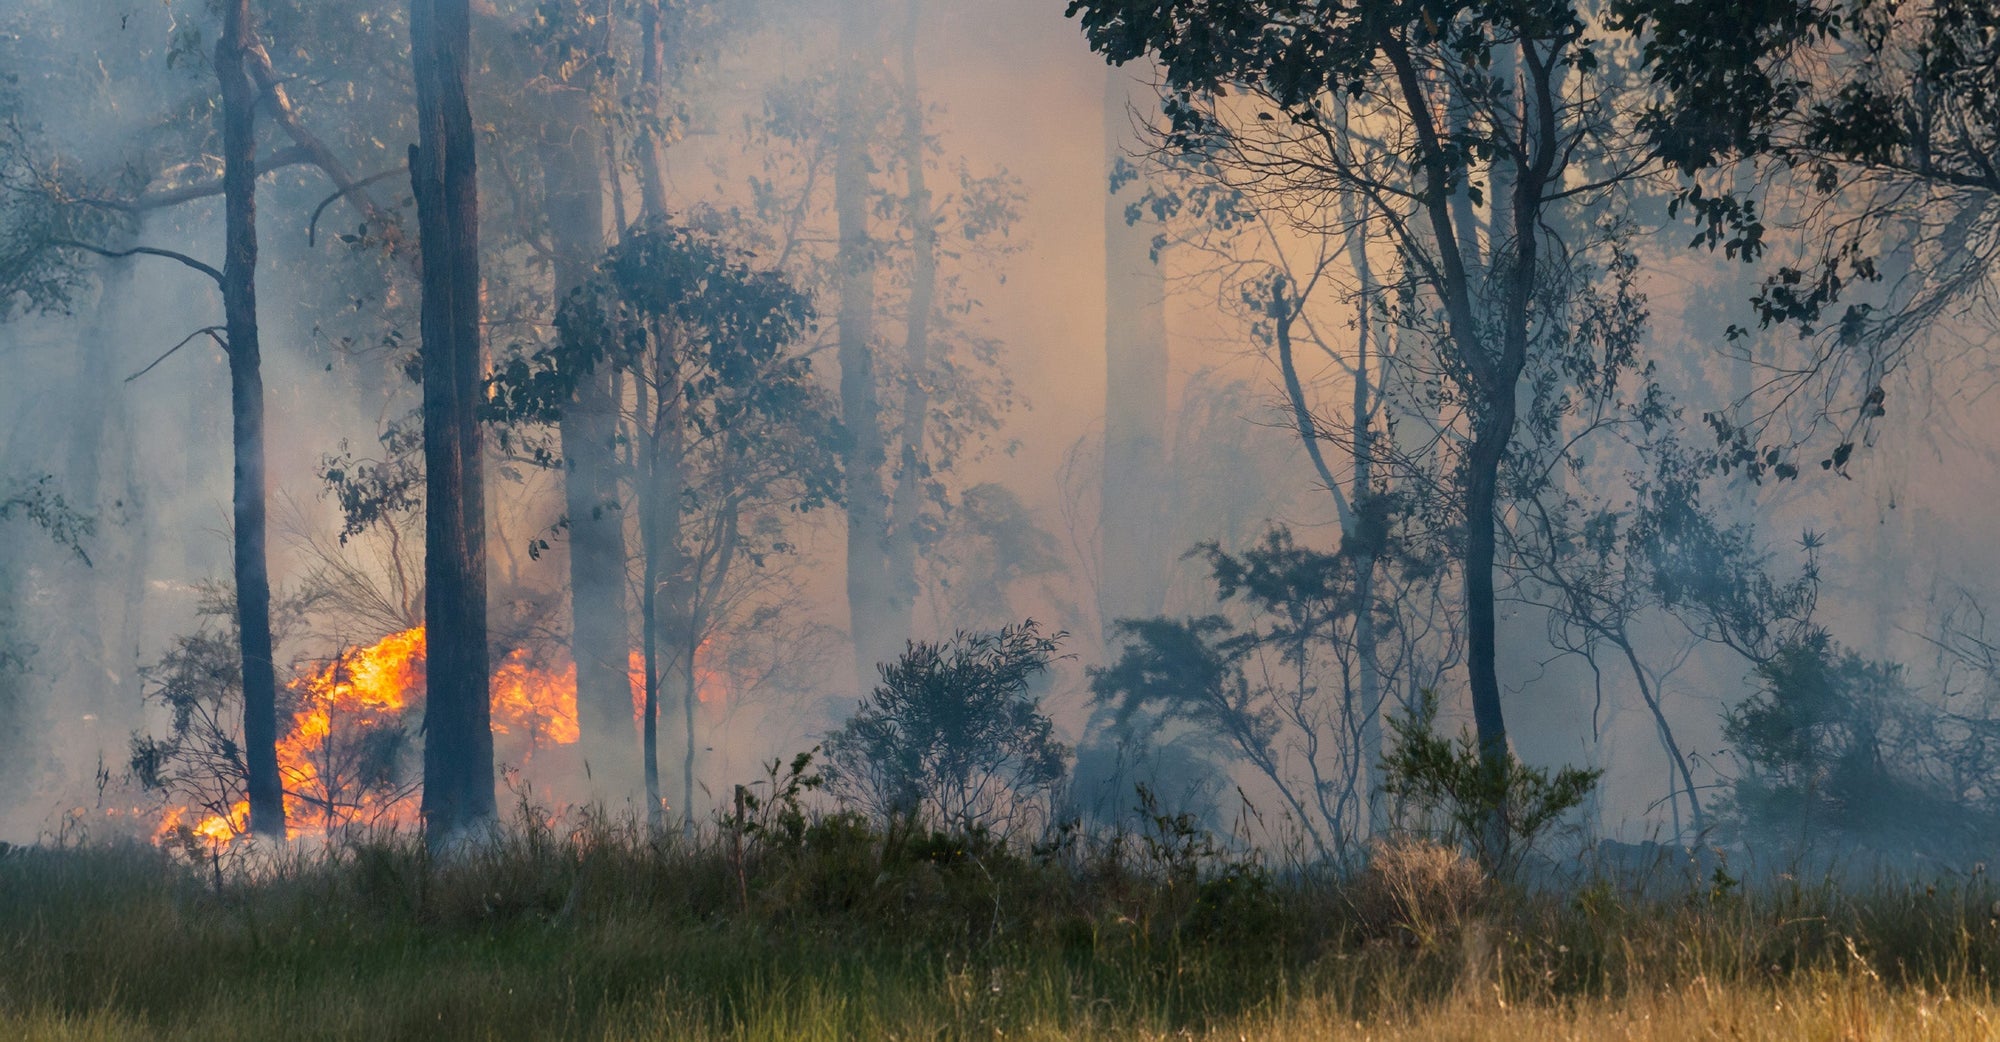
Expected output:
{"points": [[1496, 810], [1839, 750], [951, 738]]}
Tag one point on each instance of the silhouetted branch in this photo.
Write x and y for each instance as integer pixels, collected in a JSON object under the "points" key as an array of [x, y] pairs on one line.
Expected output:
{"points": [[214, 333], [138, 251]]}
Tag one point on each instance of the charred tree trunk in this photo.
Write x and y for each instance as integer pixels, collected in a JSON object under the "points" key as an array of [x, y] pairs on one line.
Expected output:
{"points": [[600, 640], [458, 734], [246, 410], [868, 593], [908, 505], [1133, 578]]}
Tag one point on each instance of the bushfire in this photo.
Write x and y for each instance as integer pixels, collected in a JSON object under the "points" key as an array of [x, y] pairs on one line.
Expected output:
{"points": [[346, 754]]}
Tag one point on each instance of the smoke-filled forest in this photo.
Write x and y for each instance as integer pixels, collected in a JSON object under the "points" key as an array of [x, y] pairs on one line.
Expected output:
{"points": [[1124, 519]]}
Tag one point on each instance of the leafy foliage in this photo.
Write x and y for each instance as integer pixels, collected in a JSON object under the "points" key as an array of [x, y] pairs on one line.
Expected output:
{"points": [[1840, 754], [1450, 786], [41, 504], [951, 735], [1278, 681]]}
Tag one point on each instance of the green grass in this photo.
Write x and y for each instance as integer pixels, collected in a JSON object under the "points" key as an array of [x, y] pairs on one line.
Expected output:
{"points": [[835, 931]]}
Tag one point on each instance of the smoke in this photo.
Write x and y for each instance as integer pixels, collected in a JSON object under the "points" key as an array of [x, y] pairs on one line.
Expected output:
{"points": [[112, 98]]}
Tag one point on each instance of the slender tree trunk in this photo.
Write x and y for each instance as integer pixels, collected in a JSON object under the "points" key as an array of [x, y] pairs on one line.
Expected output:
{"points": [[652, 77], [1132, 581], [246, 409], [600, 640], [908, 503], [690, 695], [1366, 651], [868, 593], [662, 487], [458, 733], [649, 591]]}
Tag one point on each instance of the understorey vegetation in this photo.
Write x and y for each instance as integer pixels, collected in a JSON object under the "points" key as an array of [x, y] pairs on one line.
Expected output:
{"points": [[777, 921]]}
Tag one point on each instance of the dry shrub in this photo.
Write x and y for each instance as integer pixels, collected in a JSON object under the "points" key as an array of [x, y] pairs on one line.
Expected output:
{"points": [[1416, 890]]}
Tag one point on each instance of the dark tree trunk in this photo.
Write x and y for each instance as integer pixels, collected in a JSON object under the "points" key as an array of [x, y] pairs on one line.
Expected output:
{"points": [[246, 409], [458, 734], [868, 593], [908, 503], [600, 640], [1132, 582]]}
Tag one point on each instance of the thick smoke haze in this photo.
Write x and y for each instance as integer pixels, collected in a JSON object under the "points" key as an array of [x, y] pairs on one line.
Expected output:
{"points": [[1028, 507]]}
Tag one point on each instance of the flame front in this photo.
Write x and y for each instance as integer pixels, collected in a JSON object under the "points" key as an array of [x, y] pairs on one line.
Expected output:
{"points": [[347, 756]]}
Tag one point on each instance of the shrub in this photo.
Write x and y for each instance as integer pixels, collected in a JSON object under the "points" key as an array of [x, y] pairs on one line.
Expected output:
{"points": [[951, 736], [1497, 810]]}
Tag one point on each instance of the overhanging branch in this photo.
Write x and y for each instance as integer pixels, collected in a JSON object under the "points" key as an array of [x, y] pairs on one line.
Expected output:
{"points": [[140, 251]]}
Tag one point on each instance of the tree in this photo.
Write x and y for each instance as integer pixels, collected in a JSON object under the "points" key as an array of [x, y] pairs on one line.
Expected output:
{"points": [[950, 737], [1507, 107], [573, 189], [725, 426], [1276, 674], [836, 150], [246, 410], [1884, 206], [458, 734]]}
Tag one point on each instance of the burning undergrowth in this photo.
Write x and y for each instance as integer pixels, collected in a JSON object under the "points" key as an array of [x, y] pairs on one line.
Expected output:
{"points": [[350, 746]]}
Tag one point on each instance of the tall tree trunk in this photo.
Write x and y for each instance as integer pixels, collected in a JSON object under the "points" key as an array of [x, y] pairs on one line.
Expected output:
{"points": [[1132, 582], [646, 456], [600, 640], [652, 77], [458, 733], [868, 593], [1368, 687], [1518, 200], [246, 409], [908, 501], [661, 488]]}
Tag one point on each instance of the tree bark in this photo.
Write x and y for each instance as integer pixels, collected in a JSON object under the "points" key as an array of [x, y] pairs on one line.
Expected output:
{"points": [[1132, 581], [458, 734], [868, 593], [600, 640], [652, 77], [246, 409]]}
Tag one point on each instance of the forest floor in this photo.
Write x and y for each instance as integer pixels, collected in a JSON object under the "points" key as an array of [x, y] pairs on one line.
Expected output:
{"points": [[831, 930]]}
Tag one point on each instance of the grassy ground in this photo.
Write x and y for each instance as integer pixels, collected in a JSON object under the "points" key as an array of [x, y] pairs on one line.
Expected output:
{"points": [[833, 931]]}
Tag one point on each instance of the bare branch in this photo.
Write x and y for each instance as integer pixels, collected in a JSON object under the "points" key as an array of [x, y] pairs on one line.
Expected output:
{"points": [[140, 251], [214, 333], [312, 226]]}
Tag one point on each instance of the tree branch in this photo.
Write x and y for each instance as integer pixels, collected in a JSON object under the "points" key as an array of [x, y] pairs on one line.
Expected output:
{"points": [[267, 79], [282, 158], [312, 226], [138, 251], [214, 333]]}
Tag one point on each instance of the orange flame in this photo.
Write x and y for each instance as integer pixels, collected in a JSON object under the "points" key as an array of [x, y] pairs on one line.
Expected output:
{"points": [[341, 757]]}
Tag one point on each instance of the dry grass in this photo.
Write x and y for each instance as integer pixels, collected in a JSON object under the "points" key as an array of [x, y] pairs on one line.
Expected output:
{"points": [[841, 932]]}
